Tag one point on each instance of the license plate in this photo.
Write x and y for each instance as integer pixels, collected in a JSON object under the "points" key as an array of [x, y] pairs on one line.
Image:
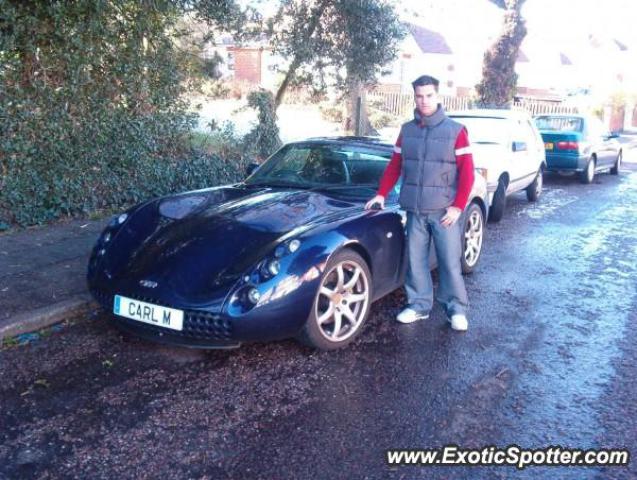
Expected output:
{"points": [[148, 313], [548, 146]]}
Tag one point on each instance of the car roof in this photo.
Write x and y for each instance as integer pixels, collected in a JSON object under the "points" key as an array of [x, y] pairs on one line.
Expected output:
{"points": [[350, 140], [561, 115], [490, 113]]}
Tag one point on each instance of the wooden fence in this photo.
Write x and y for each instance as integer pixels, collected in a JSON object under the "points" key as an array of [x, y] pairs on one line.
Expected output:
{"points": [[535, 107], [402, 104]]}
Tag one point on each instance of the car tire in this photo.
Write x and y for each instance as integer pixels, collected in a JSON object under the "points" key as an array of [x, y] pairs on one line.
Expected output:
{"points": [[588, 174], [496, 211], [341, 304], [473, 234], [618, 163], [534, 190]]}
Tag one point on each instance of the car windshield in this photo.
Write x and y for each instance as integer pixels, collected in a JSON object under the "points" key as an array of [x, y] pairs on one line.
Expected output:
{"points": [[560, 124], [336, 167], [485, 130]]}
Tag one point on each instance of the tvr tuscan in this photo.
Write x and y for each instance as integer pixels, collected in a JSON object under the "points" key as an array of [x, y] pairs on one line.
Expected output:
{"points": [[289, 252]]}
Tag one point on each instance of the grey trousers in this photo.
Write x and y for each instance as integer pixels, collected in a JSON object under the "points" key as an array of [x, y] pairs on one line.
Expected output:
{"points": [[452, 295]]}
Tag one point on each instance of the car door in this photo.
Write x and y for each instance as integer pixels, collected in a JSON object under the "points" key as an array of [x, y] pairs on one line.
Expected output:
{"points": [[537, 153], [522, 166], [611, 148], [601, 143]]}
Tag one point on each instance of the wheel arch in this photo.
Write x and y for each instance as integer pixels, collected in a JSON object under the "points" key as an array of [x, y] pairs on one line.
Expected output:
{"points": [[480, 203], [358, 248]]}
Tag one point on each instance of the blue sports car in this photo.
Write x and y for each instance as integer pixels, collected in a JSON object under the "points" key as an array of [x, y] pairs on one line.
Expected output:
{"points": [[289, 252]]}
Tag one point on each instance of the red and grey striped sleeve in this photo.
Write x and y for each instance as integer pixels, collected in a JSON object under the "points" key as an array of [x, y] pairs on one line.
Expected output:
{"points": [[464, 163], [392, 171]]}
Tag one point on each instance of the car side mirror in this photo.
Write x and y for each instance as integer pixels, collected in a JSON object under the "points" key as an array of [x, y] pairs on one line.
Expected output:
{"points": [[519, 146], [251, 168]]}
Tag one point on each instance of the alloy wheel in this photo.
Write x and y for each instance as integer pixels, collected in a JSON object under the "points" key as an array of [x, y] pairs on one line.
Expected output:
{"points": [[342, 302], [473, 235]]}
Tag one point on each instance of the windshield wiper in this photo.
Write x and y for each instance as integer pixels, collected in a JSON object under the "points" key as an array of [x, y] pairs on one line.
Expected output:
{"points": [[277, 185], [336, 187], [487, 143]]}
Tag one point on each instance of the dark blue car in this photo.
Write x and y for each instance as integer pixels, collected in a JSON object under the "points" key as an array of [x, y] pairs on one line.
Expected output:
{"points": [[290, 252]]}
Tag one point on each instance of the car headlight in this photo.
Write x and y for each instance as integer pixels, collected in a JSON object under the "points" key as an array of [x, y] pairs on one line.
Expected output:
{"points": [[287, 247], [274, 267], [271, 267], [118, 220], [294, 245], [254, 296]]}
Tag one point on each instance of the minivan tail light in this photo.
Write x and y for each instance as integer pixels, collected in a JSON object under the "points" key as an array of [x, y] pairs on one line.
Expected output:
{"points": [[567, 145]]}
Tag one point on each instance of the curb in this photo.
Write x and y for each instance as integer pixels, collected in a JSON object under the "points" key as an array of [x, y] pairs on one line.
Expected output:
{"points": [[46, 316]]}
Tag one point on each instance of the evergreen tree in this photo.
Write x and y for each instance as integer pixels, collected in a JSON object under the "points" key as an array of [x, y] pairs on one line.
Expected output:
{"points": [[499, 79]]}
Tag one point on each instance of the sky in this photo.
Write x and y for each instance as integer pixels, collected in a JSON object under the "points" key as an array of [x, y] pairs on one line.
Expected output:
{"points": [[552, 21], [563, 18], [554, 27]]}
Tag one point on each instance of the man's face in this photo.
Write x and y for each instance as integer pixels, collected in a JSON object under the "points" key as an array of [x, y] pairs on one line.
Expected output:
{"points": [[426, 99]]}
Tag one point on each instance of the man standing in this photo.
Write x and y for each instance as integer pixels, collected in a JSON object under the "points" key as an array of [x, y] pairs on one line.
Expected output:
{"points": [[433, 156]]}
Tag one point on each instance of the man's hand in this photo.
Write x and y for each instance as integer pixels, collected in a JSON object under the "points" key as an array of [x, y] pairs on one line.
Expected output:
{"points": [[451, 217], [379, 199]]}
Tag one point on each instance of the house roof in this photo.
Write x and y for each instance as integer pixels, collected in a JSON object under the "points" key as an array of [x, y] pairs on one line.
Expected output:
{"points": [[429, 41], [620, 45]]}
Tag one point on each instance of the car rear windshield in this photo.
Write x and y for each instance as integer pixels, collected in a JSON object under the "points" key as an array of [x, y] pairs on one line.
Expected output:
{"points": [[560, 124]]}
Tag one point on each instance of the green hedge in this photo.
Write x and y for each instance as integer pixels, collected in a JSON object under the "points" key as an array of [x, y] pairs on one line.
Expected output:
{"points": [[92, 114]]}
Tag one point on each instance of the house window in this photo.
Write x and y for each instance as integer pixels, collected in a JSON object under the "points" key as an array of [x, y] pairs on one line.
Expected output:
{"points": [[450, 84], [451, 68]]}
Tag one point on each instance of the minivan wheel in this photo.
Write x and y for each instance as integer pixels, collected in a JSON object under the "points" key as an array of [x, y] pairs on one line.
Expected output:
{"points": [[618, 164], [496, 211], [534, 190]]}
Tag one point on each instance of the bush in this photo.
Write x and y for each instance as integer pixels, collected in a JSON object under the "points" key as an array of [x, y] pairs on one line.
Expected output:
{"points": [[379, 118], [331, 113], [264, 139], [92, 114]]}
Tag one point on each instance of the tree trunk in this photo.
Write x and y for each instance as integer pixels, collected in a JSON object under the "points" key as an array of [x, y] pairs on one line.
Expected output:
{"points": [[284, 84], [311, 28], [356, 90]]}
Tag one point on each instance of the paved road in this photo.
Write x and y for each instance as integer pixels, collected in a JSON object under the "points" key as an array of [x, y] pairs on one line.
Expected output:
{"points": [[549, 359]]}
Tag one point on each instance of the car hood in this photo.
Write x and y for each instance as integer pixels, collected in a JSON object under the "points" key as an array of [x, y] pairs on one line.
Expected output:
{"points": [[202, 241]]}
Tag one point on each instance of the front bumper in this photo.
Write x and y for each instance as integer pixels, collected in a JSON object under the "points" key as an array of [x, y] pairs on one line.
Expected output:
{"points": [[201, 329]]}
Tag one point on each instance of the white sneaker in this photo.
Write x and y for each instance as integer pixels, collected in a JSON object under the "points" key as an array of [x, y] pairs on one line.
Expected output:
{"points": [[459, 322], [409, 315]]}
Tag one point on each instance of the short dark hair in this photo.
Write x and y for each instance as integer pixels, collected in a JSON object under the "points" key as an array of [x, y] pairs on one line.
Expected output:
{"points": [[425, 80]]}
